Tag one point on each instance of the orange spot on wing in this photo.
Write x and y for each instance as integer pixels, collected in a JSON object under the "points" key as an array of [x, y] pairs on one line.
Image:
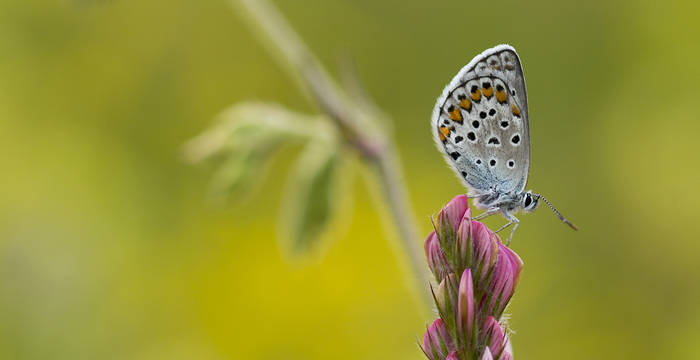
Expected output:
{"points": [[515, 110], [476, 95], [487, 92], [443, 133], [501, 96], [465, 104], [456, 115]]}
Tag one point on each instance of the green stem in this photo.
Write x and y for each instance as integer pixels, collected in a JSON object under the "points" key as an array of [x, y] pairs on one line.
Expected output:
{"points": [[360, 126]]}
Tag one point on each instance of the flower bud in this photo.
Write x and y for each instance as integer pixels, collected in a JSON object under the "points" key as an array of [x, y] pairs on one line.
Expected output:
{"points": [[436, 257], [506, 356], [446, 297], [487, 354], [454, 211], [437, 343], [465, 308], [505, 275], [484, 251], [497, 339], [463, 244], [449, 219]]}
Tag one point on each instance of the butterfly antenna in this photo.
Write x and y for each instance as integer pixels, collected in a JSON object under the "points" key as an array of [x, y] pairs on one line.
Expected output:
{"points": [[562, 218]]}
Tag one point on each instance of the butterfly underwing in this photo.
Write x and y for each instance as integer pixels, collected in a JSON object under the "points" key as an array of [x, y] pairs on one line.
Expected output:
{"points": [[481, 125]]}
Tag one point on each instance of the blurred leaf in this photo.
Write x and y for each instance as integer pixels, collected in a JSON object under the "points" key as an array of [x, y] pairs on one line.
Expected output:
{"points": [[237, 172], [250, 124], [245, 136], [311, 194]]}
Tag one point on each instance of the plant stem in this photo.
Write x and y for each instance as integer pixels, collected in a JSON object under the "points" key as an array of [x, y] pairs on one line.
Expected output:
{"points": [[359, 125]]}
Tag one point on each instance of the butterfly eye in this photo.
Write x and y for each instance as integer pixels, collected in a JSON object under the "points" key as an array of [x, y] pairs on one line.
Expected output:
{"points": [[528, 200]]}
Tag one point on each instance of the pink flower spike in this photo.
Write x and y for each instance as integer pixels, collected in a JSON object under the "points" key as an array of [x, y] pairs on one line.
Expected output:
{"points": [[465, 307], [487, 354], [437, 342], [453, 212], [494, 332], [476, 276]]}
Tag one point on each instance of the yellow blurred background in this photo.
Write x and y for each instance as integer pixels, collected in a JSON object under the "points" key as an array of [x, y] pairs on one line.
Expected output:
{"points": [[110, 247]]}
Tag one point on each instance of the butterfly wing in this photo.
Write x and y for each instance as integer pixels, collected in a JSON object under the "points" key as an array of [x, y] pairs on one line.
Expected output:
{"points": [[480, 122]]}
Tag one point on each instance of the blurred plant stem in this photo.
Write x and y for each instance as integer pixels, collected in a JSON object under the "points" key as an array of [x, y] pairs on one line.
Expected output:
{"points": [[361, 124]]}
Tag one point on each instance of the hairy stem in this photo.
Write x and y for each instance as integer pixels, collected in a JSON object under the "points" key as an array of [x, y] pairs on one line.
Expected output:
{"points": [[360, 125]]}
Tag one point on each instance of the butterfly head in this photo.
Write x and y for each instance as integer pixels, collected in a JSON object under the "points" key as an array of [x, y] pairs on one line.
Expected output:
{"points": [[529, 201]]}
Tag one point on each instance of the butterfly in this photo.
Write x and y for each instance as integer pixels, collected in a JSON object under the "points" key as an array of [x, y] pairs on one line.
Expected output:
{"points": [[481, 125]]}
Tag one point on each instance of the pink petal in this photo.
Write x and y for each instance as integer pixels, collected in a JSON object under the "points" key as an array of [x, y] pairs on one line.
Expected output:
{"points": [[437, 342], [453, 212], [465, 306], [429, 239], [487, 354], [452, 356], [501, 288], [464, 246], [507, 351], [494, 332], [483, 249], [506, 275], [436, 257], [516, 262]]}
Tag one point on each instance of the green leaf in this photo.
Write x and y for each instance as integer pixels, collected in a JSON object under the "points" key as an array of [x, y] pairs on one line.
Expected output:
{"points": [[243, 139], [237, 173], [311, 196], [248, 126]]}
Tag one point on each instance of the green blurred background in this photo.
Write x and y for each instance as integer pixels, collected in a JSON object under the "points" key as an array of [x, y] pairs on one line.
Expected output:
{"points": [[111, 249]]}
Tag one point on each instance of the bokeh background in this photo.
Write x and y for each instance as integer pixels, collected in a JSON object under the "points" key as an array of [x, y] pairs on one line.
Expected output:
{"points": [[110, 247]]}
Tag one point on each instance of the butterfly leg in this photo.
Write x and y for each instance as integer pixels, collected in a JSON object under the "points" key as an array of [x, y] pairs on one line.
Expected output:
{"points": [[513, 221], [487, 213]]}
